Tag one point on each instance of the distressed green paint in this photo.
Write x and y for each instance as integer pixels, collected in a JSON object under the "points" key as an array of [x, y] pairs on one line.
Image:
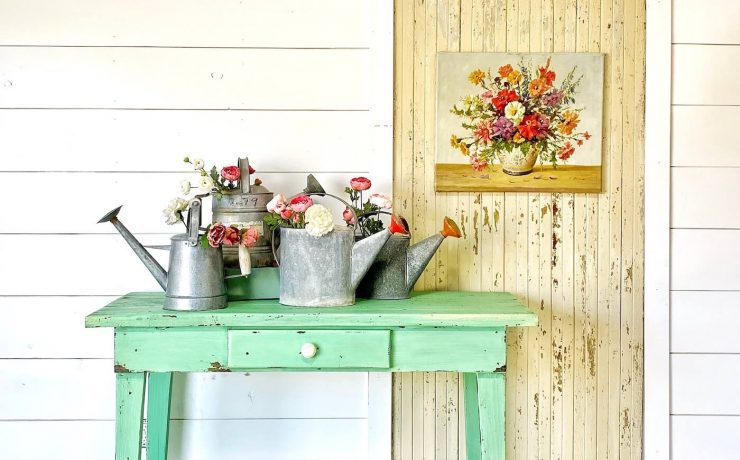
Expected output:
{"points": [[491, 409], [159, 391], [423, 309], [447, 350], [335, 349], [129, 411], [472, 418], [183, 349], [450, 331]]}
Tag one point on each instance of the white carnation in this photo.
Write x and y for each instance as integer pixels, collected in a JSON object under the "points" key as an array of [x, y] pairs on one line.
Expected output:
{"points": [[205, 184], [319, 221], [172, 212]]}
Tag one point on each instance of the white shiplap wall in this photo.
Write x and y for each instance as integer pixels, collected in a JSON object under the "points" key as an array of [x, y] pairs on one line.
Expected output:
{"points": [[705, 231], [99, 101]]}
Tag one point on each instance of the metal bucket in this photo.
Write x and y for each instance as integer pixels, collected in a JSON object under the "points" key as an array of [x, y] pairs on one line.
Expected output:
{"points": [[316, 272]]}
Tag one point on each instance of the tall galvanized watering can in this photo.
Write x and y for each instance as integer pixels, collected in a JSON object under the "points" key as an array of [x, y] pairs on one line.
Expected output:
{"points": [[399, 265], [196, 277], [246, 206], [325, 271]]}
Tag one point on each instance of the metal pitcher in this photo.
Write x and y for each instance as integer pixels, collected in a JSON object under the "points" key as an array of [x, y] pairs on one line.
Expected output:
{"points": [[246, 206], [399, 264], [325, 271], [196, 277]]}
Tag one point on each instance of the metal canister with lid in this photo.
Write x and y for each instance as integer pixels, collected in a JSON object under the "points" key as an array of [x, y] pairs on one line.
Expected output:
{"points": [[245, 206]]}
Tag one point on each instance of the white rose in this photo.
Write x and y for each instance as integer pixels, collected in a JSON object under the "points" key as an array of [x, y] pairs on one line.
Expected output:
{"points": [[205, 184], [319, 221], [198, 164], [514, 111], [185, 187], [380, 200]]}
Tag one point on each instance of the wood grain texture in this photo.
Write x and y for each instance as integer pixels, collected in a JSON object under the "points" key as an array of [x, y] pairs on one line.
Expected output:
{"points": [[574, 383]]}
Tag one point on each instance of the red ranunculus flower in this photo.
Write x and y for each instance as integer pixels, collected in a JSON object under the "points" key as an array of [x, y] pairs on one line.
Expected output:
{"points": [[216, 234], [231, 236], [528, 127], [504, 97], [231, 173], [301, 203], [360, 183]]}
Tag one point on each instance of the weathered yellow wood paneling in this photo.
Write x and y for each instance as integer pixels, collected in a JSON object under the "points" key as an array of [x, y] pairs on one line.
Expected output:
{"points": [[574, 383]]}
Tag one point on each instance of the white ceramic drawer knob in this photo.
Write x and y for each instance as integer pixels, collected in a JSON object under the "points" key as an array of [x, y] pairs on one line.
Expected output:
{"points": [[308, 350]]}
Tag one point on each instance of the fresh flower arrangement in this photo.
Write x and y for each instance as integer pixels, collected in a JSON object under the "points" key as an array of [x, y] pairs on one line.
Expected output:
{"points": [[245, 237], [299, 212], [519, 109], [214, 182], [368, 212]]}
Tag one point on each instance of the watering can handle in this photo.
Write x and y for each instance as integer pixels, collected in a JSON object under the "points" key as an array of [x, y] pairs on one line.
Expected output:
{"points": [[349, 206]]}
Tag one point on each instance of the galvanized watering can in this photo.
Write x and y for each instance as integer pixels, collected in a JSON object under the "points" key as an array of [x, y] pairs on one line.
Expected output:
{"points": [[245, 205], [325, 271], [196, 277], [399, 265]]}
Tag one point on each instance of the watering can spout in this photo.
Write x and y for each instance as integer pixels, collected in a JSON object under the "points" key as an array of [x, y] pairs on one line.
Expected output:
{"points": [[149, 262], [419, 255], [364, 253]]}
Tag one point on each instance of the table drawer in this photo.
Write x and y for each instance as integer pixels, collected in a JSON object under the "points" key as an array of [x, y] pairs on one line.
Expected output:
{"points": [[252, 349]]}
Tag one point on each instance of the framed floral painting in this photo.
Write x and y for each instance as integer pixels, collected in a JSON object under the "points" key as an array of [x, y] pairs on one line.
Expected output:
{"points": [[519, 122]]}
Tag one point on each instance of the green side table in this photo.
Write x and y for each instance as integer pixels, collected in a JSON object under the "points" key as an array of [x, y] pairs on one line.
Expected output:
{"points": [[431, 331]]}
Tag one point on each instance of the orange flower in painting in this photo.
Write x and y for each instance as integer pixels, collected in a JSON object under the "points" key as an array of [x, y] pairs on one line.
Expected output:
{"points": [[528, 127], [569, 123], [538, 87], [464, 148], [587, 135], [566, 151], [514, 77], [504, 71], [547, 74], [477, 76]]}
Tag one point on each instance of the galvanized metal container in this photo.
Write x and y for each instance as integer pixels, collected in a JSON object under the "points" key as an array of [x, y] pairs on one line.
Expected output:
{"points": [[245, 206]]}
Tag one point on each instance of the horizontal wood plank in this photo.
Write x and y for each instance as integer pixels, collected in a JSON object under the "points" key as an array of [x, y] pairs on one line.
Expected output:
{"points": [[193, 439], [67, 389], [183, 78], [705, 384], [706, 21], [423, 309], [705, 437], [713, 122], [705, 259], [705, 322], [230, 23], [705, 75], [144, 196], [700, 196], [157, 140], [52, 327]]}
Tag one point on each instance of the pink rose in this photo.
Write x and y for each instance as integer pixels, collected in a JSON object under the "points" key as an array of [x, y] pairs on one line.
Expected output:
{"points": [[216, 234], [250, 237], [286, 213], [301, 203], [231, 173], [360, 183], [231, 236], [276, 204], [348, 217]]}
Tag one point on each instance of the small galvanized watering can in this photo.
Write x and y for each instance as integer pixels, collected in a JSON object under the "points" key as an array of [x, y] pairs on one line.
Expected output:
{"points": [[325, 271], [196, 277], [399, 265], [245, 205]]}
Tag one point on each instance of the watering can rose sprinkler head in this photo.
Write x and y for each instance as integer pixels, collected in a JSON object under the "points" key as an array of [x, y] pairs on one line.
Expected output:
{"points": [[450, 228], [398, 225]]}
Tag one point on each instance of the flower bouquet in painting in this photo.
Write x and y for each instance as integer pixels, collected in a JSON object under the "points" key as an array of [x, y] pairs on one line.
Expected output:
{"points": [[517, 116]]}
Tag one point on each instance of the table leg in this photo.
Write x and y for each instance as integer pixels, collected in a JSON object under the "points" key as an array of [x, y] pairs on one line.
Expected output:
{"points": [[485, 404], [129, 412], [159, 390]]}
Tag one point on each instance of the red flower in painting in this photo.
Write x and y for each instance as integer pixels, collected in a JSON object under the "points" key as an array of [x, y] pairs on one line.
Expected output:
{"points": [[547, 74], [504, 97], [528, 127], [482, 132], [566, 151]]}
